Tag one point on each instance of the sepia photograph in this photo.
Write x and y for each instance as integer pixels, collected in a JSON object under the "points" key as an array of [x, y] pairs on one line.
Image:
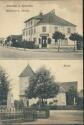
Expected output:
{"points": [[41, 92], [41, 29], [41, 62]]}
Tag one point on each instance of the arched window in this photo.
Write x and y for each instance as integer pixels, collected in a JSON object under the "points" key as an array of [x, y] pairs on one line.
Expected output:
{"points": [[39, 41]]}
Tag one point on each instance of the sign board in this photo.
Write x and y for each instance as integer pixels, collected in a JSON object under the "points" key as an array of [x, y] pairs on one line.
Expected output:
{"points": [[44, 35]]}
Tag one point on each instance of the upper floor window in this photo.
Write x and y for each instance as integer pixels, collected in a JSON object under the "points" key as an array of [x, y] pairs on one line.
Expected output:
{"points": [[69, 30], [44, 29], [31, 31], [23, 33], [31, 22], [56, 28], [26, 24]]}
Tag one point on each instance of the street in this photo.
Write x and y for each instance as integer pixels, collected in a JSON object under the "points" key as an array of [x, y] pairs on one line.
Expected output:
{"points": [[62, 117], [18, 53], [58, 117]]}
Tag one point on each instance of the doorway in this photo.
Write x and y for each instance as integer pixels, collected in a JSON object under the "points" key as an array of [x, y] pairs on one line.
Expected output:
{"points": [[44, 41]]}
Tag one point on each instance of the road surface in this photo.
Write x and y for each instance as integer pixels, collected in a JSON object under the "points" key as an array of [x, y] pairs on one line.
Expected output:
{"points": [[71, 117], [14, 53]]}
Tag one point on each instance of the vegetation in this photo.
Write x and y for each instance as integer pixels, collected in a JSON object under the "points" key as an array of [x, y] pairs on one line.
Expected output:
{"points": [[77, 38], [18, 104], [42, 86], [16, 41], [58, 36], [4, 87]]}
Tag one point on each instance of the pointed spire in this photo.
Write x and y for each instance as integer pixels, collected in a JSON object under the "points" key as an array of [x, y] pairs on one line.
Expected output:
{"points": [[27, 72]]}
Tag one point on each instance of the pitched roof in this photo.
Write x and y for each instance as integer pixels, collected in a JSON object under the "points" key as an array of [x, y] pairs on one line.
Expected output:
{"points": [[65, 86], [27, 72], [51, 18], [35, 17]]}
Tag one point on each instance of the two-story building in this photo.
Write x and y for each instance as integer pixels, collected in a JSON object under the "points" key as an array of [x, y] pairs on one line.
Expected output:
{"points": [[40, 28]]}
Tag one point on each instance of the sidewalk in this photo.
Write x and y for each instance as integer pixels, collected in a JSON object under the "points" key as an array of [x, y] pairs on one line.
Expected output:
{"points": [[63, 50]]}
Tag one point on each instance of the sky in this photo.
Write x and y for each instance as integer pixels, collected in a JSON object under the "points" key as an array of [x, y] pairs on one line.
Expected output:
{"points": [[62, 70], [13, 22]]}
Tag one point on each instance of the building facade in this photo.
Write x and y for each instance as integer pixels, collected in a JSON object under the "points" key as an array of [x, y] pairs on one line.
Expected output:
{"points": [[41, 28], [61, 99]]}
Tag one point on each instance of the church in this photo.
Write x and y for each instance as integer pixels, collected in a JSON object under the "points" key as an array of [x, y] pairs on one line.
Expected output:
{"points": [[61, 99]]}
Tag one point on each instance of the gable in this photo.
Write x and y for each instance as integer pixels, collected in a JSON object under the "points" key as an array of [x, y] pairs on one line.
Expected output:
{"points": [[27, 72]]}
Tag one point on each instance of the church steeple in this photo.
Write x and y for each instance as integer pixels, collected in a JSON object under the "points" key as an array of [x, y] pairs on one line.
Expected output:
{"points": [[27, 71]]}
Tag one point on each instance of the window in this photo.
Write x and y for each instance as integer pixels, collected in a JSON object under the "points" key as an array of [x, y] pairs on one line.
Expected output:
{"points": [[49, 40], [39, 41], [23, 33], [26, 33], [34, 39], [34, 30], [31, 22], [56, 28], [26, 24], [43, 29], [31, 31], [68, 30]]}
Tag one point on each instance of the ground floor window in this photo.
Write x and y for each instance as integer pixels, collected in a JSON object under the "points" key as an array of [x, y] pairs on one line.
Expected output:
{"points": [[39, 40], [49, 40], [34, 39]]}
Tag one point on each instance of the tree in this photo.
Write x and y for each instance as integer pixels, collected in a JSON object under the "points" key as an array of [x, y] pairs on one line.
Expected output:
{"points": [[42, 86], [4, 86], [76, 38], [58, 36]]}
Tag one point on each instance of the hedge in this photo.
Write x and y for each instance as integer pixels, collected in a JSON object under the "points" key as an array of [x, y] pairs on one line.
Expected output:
{"points": [[25, 44]]}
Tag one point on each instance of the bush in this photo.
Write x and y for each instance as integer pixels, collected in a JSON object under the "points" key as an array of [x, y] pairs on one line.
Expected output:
{"points": [[25, 44]]}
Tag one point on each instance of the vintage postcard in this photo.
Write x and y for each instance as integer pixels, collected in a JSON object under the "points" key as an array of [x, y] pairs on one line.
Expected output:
{"points": [[41, 62], [41, 29]]}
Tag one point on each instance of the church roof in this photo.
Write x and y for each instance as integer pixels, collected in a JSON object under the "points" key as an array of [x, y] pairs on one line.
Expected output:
{"points": [[51, 18], [27, 72]]}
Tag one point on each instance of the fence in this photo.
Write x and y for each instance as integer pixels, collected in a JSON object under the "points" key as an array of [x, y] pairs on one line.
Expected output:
{"points": [[29, 115], [25, 115]]}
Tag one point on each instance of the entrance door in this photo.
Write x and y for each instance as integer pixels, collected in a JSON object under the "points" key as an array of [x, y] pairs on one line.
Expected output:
{"points": [[44, 41]]}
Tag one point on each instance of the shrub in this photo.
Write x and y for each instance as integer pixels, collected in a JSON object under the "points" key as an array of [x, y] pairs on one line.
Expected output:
{"points": [[25, 44]]}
